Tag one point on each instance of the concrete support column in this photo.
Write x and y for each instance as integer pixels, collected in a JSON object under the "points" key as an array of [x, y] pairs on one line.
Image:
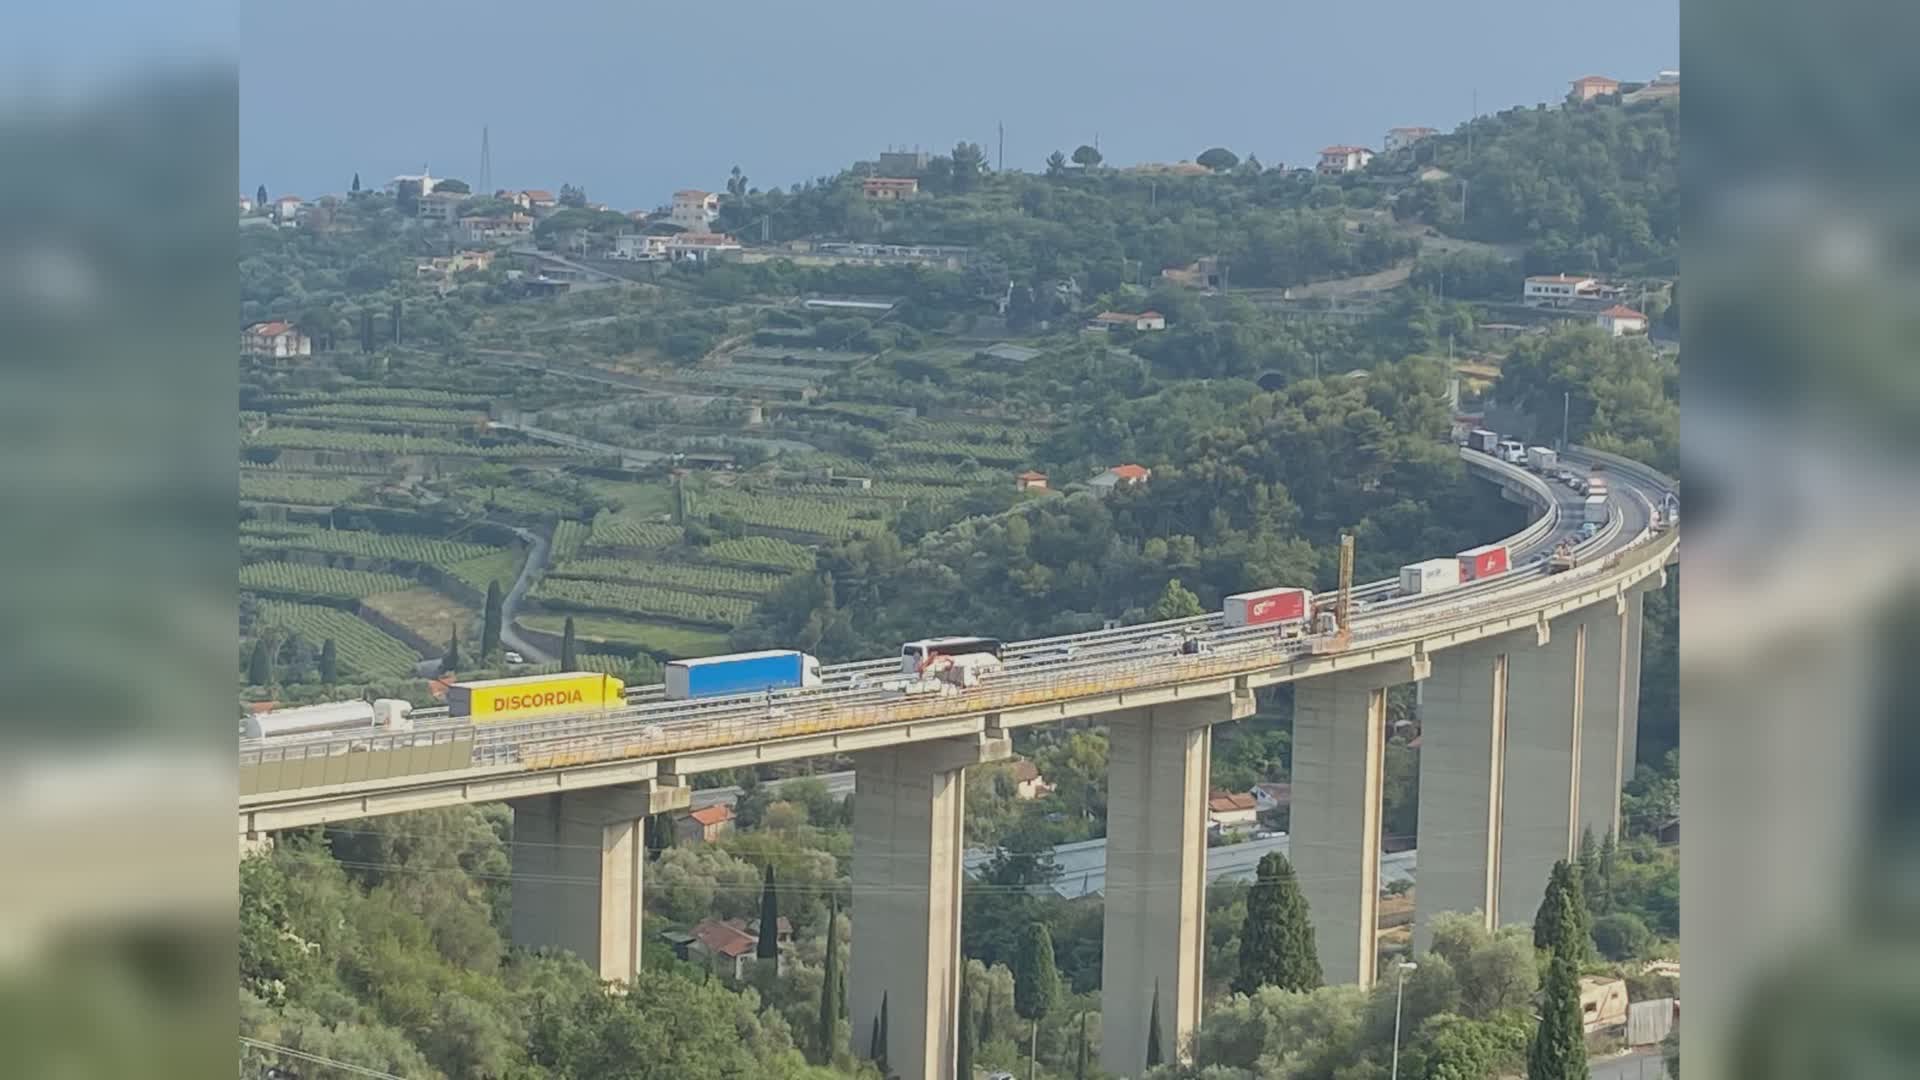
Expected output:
{"points": [[1542, 786], [1630, 683], [579, 859], [1463, 750], [907, 848], [1602, 716], [1154, 936], [1339, 751]]}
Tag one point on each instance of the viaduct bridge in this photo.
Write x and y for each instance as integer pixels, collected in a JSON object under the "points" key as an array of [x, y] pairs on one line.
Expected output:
{"points": [[1529, 688]]}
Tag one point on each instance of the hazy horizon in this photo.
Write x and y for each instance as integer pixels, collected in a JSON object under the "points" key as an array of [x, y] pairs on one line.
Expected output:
{"points": [[630, 106]]}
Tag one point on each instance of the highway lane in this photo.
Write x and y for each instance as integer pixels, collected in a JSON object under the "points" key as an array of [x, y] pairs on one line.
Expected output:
{"points": [[1143, 650]]}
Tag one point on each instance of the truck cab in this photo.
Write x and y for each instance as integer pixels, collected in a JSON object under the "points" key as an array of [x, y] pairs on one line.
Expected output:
{"points": [[1513, 452]]}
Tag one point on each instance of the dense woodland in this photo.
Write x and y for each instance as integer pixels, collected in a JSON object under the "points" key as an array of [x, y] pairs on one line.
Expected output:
{"points": [[384, 943]]}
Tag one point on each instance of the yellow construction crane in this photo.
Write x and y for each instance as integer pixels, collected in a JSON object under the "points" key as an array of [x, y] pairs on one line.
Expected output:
{"points": [[1342, 635]]}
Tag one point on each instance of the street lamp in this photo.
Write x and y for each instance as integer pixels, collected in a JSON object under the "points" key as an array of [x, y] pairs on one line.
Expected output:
{"points": [[1399, 993]]}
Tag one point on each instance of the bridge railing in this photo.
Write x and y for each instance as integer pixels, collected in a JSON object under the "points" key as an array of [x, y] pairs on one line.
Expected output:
{"points": [[692, 726], [606, 741]]}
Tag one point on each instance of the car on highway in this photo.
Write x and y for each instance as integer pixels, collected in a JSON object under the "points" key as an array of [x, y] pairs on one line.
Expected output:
{"points": [[1587, 530], [515, 658]]}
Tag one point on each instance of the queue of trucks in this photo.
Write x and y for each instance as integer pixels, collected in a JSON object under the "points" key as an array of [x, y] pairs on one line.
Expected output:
{"points": [[930, 664]]}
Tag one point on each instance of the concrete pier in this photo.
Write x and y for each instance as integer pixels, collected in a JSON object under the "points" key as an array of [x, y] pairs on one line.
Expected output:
{"points": [[1339, 752], [1463, 751], [907, 849], [1542, 775], [1154, 936], [1602, 719], [579, 861]]}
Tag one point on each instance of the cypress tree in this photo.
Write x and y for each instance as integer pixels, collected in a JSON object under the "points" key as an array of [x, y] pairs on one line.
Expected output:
{"points": [[768, 948], [260, 664], [1080, 1062], [843, 994], [1560, 923], [260, 197], [963, 1067], [329, 662], [873, 1041], [1590, 888], [569, 650], [1602, 902], [986, 1014], [830, 987], [490, 625], [1036, 982], [882, 1036], [1276, 944], [1154, 1054], [356, 184], [451, 662], [1559, 1047]]}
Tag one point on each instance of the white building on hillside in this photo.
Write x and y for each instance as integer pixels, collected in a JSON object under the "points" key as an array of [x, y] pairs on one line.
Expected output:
{"points": [[694, 210]]}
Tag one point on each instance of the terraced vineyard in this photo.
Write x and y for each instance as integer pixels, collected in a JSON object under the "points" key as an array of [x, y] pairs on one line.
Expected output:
{"points": [[720, 611], [832, 520], [364, 651], [769, 552], [958, 450], [569, 537], [308, 580], [881, 489], [720, 579], [268, 536], [396, 414], [374, 442], [299, 489], [342, 469], [615, 533], [383, 395]]}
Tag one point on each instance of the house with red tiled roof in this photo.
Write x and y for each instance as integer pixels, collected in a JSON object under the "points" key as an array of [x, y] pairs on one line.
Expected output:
{"points": [[1588, 87], [1031, 480], [275, 340], [1231, 811], [1120, 476], [1335, 160], [1027, 781], [1620, 320], [727, 947], [705, 825]]}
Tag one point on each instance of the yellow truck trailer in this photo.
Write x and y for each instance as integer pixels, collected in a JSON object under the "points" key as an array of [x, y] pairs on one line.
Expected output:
{"points": [[493, 701]]}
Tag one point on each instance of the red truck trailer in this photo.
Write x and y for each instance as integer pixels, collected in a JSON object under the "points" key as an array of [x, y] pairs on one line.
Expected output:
{"points": [[1268, 607], [1483, 562]]}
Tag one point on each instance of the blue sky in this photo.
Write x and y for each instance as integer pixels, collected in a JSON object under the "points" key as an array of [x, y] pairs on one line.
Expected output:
{"points": [[633, 100]]}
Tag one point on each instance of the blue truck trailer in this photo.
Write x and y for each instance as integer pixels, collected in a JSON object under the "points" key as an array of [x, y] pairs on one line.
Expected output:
{"points": [[741, 673]]}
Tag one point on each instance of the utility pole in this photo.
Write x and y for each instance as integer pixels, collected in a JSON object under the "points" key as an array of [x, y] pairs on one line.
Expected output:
{"points": [[1470, 122], [1002, 167], [1566, 412]]}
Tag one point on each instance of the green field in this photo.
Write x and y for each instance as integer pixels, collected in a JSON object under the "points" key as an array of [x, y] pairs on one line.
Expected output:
{"points": [[424, 611], [638, 502], [674, 641], [499, 564], [364, 649]]}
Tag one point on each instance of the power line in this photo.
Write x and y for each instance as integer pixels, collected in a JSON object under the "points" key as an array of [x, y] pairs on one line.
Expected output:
{"points": [[302, 1055]]}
